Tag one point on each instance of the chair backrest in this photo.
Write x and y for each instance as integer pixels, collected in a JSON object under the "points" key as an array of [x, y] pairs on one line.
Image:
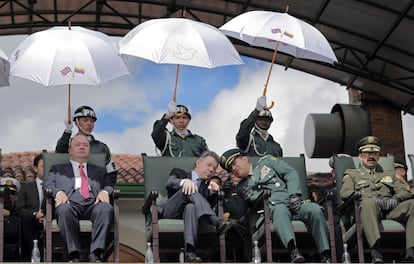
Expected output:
{"points": [[157, 169], [298, 163], [411, 158], [50, 159], [342, 163]]}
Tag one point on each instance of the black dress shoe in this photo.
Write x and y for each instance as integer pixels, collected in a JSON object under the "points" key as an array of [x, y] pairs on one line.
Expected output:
{"points": [[296, 256], [376, 256], [94, 258], [326, 259], [409, 255], [191, 257], [74, 257], [223, 226]]}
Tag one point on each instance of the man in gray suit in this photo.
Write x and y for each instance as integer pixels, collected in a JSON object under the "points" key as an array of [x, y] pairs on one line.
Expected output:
{"points": [[191, 196], [82, 191]]}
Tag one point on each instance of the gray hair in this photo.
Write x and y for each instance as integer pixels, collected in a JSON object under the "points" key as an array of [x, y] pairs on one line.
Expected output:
{"points": [[209, 153]]}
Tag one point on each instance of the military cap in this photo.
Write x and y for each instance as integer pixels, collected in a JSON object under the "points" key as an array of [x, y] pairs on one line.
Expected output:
{"points": [[11, 183], [369, 144], [181, 109], [229, 156], [265, 113], [400, 163]]}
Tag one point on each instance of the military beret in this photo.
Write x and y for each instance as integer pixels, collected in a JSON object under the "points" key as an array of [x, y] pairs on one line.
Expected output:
{"points": [[400, 163], [181, 109], [229, 156], [369, 144]]}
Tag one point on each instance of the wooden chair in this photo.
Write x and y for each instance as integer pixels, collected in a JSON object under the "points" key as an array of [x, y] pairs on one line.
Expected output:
{"points": [[166, 235], [304, 238], [54, 242], [392, 232]]}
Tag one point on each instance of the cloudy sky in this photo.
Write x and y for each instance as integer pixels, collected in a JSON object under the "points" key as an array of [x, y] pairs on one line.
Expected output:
{"points": [[127, 107]]}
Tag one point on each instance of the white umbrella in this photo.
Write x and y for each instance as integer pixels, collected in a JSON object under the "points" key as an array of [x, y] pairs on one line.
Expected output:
{"points": [[67, 55], [280, 32], [4, 69], [180, 41]]}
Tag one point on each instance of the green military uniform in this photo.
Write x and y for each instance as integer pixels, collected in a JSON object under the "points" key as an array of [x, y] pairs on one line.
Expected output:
{"points": [[276, 175], [253, 143], [383, 185], [172, 144]]}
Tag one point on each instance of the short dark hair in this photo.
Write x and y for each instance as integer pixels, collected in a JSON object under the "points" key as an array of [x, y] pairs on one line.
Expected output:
{"points": [[37, 159]]}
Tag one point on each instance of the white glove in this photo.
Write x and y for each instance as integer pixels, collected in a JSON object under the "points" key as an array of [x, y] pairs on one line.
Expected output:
{"points": [[172, 107], [68, 125], [261, 103]]}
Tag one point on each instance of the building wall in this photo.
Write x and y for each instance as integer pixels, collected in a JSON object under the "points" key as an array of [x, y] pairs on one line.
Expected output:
{"points": [[385, 121]]}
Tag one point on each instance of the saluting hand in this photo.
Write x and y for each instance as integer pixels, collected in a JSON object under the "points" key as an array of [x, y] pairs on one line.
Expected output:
{"points": [[189, 187]]}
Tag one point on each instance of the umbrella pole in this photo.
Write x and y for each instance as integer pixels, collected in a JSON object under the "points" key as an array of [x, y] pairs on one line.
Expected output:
{"points": [[69, 117], [176, 83], [268, 75]]}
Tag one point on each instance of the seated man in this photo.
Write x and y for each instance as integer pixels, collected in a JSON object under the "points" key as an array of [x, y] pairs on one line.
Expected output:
{"points": [[30, 208], [285, 201], [82, 191], [191, 196], [11, 220], [383, 196], [238, 238]]}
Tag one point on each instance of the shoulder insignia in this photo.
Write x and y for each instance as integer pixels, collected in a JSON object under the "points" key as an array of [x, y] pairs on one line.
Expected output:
{"points": [[386, 179]]}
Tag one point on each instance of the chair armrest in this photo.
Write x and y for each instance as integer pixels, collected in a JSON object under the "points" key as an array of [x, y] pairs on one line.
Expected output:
{"points": [[354, 197], [151, 200], [116, 194], [327, 196]]}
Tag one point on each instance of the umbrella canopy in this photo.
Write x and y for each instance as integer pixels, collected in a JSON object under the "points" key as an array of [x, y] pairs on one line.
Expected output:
{"points": [[4, 69], [67, 55], [180, 41], [266, 28]]}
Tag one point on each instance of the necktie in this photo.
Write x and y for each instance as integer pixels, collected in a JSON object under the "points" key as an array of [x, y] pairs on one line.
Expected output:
{"points": [[198, 182], [84, 189]]}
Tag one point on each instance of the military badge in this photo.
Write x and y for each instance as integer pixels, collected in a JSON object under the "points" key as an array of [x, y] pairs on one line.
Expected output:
{"points": [[264, 171], [386, 179]]}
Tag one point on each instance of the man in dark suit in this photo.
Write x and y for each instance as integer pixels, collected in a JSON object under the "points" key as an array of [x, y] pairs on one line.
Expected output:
{"points": [[82, 191], [191, 196], [30, 208]]}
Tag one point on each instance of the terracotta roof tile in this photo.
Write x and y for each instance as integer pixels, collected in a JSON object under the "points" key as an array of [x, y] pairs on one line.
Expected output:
{"points": [[20, 166]]}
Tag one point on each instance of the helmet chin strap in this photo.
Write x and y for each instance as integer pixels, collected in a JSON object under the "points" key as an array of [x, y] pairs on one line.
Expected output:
{"points": [[81, 129]]}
